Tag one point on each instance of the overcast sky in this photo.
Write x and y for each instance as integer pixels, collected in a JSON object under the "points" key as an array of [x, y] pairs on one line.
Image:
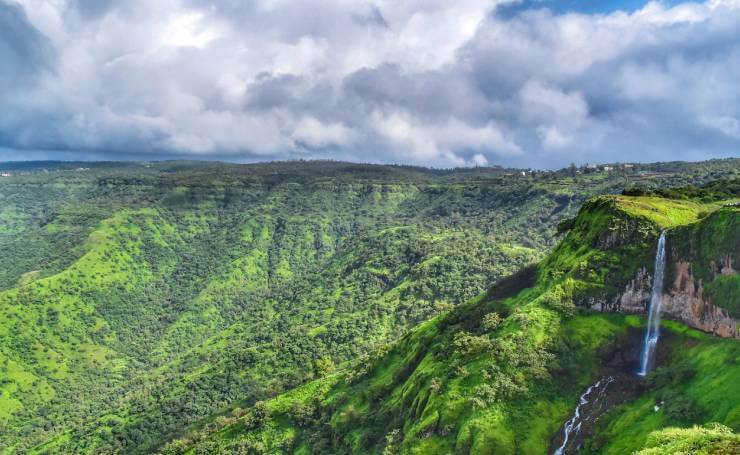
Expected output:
{"points": [[440, 83]]}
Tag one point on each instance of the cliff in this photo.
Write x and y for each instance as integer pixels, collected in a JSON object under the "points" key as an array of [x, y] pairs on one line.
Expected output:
{"points": [[702, 289], [683, 301], [503, 372]]}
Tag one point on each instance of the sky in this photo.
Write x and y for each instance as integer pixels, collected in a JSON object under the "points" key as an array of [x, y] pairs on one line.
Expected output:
{"points": [[532, 83]]}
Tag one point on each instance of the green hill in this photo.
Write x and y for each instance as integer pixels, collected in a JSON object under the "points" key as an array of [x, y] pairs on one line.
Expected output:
{"points": [[140, 300], [502, 373]]}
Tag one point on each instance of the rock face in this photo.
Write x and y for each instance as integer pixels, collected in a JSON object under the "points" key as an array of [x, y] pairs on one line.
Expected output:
{"points": [[700, 268], [634, 299], [637, 294], [725, 267], [682, 302]]}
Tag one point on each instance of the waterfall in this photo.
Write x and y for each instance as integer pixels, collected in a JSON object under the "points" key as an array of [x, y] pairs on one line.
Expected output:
{"points": [[652, 332], [573, 426]]}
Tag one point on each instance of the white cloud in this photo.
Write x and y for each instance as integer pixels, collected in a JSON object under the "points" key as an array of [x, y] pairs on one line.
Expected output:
{"points": [[313, 133], [479, 160], [729, 126], [443, 143], [553, 138], [189, 29], [543, 102], [421, 81]]}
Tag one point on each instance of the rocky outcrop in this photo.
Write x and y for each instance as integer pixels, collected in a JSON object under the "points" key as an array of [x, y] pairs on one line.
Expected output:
{"points": [[636, 294], [725, 267], [682, 302], [634, 299]]}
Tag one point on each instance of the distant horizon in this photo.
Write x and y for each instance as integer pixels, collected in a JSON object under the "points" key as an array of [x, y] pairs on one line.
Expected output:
{"points": [[330, 160]]}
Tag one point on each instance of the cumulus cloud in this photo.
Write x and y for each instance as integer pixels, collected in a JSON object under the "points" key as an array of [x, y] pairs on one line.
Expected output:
{"points": [[24, 52], [446, 142], [427, 82], [315, 134]]}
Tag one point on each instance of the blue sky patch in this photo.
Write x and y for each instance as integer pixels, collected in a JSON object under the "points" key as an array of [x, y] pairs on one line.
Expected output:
{"points": [[578, 6]]}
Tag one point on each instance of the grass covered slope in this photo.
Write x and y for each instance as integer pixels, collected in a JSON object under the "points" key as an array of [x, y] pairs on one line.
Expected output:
{"points": [[139, 299], [710, 439], [51, 329], [501, 373], [695, 384], [76, 336], [614, 236]]}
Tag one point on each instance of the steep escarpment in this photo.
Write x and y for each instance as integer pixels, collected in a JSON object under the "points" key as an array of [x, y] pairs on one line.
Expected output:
{"points": [[503, 373], [687, 303], [185, 291], [701, 289], [239, 282], [684, 300]]}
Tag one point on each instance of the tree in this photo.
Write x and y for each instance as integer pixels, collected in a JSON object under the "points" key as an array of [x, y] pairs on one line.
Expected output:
{"points": [[324, 366]]}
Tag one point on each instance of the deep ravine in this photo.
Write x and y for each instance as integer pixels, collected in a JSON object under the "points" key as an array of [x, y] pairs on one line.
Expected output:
{"points": [[591, 397], [596, 400]]}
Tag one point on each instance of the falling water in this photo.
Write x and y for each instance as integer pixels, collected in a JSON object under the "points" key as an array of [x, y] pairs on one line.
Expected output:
{"points": [[573, 426], [653, 327]]}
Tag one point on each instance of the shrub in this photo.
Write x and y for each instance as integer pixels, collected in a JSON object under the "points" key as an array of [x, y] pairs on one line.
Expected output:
{"points": [[491, 321]]}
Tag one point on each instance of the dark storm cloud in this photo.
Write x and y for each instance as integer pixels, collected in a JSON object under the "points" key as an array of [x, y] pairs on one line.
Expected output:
{"points": [[24, 52], [430, 94], [426, 82]]}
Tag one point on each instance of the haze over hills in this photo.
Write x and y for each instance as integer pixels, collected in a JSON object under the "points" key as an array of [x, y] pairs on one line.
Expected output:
{"points": [[141, 300]]}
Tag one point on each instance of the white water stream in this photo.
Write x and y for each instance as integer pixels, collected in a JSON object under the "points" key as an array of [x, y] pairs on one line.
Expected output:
{"points": [[573, 426], [652, 333]]}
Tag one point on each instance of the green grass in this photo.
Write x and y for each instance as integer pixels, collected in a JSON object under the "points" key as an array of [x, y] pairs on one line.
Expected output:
{"points": [[699, 440], [451, 385], [711, 246], [54, 343], [725, 290], [139, 301], [665, 213], [712, 390], [402, 379]]}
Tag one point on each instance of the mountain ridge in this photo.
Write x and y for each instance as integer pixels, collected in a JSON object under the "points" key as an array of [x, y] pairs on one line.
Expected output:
{"points": [[201, 290], [396, 389]]}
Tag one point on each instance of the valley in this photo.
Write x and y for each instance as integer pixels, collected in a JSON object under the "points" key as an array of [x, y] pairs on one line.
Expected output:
{"points": [[503, 372], [184, 307]]}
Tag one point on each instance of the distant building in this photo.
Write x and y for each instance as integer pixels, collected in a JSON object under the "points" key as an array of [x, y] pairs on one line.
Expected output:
{"points": [[607, 168], [5, 174]]}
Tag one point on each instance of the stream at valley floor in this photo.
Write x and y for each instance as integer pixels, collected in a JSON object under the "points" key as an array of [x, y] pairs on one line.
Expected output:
{"points": [[621, 384]]}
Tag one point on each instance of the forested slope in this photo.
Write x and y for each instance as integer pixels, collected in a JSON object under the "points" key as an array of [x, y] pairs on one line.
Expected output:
{"points": [[502, 373], [138, 299]]}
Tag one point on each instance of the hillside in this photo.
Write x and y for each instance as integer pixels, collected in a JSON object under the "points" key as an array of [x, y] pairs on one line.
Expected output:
{"points": [[502, 373], [140, 299]]}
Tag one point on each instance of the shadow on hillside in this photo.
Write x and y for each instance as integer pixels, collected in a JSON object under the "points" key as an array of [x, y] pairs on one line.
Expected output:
{"points": [[512, 284]]}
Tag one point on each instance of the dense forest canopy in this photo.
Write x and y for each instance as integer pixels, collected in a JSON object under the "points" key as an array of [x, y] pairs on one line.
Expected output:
{"points": [[137, 299]]}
